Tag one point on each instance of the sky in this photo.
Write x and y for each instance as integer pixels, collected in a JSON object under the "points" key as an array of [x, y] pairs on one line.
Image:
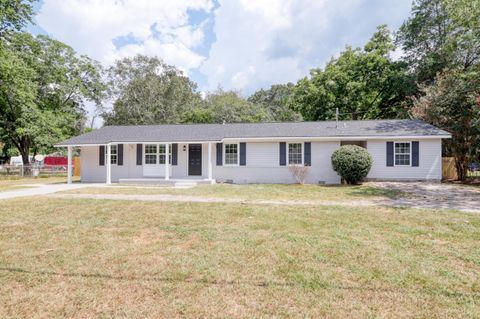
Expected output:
{"points": [[243, 45]]}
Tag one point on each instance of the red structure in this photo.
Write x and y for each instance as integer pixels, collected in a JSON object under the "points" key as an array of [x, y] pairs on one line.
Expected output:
{"points": [[55, 160]]}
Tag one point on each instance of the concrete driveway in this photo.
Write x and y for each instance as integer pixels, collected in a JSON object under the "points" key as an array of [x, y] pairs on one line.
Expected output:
{"points": [[434, 195]]}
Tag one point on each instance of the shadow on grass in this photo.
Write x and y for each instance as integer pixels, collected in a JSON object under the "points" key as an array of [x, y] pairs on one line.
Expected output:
{"points": [[368, 191], [257, 283]]}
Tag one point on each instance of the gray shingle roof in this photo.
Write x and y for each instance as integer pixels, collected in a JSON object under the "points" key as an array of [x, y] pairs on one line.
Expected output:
{"points": [[217, 132]]}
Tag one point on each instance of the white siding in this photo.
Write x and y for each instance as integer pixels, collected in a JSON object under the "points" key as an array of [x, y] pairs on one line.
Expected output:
{"points": [[263, 154], [92, 172], [430, 162], [263, 165]]}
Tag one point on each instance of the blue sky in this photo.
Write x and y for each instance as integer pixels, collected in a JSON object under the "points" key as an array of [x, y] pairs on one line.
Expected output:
{"points": [[243, 45], [236, 44]]}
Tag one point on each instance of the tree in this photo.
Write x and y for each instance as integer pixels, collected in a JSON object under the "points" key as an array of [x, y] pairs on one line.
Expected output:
{"points": [[230, 107], [274, 101], [362, 84], [453, 103], [199, 115], [14, 15], [146, 90], [43, 87], [441, 34]]}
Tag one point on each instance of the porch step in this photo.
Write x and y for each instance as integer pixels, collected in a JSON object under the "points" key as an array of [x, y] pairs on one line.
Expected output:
{"points": [[185, 184], [181, 183]]}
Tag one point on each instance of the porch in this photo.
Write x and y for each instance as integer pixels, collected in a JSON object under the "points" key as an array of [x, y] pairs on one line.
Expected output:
{"points": [[147, 163]]}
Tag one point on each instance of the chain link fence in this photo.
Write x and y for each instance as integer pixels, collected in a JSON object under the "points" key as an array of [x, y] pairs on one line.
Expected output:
{"points": [[33, 170]]}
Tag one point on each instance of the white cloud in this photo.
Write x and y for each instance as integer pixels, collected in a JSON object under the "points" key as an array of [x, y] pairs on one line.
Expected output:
{"points": [[159, 27], [260, 43]]}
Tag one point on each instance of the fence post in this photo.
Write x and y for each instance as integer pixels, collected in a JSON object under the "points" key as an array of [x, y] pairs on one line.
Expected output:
{"points": [[69, 165]]}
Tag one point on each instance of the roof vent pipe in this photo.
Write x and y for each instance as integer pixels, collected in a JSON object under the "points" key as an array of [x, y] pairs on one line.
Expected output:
{"points": [[336, 117]]}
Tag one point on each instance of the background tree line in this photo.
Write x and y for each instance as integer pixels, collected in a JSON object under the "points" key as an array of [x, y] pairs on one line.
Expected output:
{"points": [[45, 84]]}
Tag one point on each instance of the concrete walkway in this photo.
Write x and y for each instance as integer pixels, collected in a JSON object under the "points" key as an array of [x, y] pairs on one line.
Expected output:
{"points": [[42, 189]]}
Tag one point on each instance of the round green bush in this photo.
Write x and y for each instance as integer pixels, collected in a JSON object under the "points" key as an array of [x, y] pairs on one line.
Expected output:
{"points": [[352, 163]]}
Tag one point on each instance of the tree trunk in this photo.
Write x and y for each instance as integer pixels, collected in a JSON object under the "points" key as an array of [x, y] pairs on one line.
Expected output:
{"points": [[462, 168], [24, 149], [24, 152]]}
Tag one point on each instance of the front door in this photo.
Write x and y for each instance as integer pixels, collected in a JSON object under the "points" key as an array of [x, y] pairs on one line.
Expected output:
{"points": [[194, 159]]}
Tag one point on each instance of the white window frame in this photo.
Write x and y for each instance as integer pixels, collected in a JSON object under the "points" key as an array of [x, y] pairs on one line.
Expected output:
{"points": [[157, 153], [302, 153], [112, 154], [395, 153], [225, 154], [145, 154]]}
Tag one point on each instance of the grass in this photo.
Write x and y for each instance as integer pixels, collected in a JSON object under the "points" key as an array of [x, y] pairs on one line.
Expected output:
{"points": [[18, 180], [100, 258], [4, 188], [255, 191]]}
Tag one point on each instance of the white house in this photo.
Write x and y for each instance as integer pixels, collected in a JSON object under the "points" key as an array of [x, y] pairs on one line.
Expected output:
{"points": [[256, 152]]}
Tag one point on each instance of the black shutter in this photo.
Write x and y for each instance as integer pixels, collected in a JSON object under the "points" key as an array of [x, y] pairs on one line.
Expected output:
{"points": [[139, 154], [120, 154], [307, 161], [415, 153], [219, 154], [101, 155], [243, 154], [389, 153], [174, 153], [283, 153]]}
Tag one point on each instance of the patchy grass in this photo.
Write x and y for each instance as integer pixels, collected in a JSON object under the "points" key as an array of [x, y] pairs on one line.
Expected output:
{"points": [[100, 258], [4, 188], [254, 191], [18, 180]]}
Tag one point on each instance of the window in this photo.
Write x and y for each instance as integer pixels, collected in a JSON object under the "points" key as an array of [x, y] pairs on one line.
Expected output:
{"points": [[231, 154], [113, 155], [295, 155], [155, 153], [162, 151], [151, 154], [402, 153]]}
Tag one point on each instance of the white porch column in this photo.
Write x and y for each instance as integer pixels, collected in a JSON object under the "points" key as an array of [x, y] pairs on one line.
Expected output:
{"points": [[69, 165], [109, 164], [210, 161], [167, 161]]}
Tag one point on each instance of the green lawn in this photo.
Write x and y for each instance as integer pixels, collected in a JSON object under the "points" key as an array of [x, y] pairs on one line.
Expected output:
{"points": [[101, 258], [254, 191]]}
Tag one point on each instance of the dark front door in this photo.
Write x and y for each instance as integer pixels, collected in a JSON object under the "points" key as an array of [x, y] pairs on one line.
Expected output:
{"points": [[195, 159]]}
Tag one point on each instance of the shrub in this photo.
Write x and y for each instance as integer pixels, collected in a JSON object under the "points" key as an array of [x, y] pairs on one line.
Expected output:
{"points": [[299, 172], [352, 163]]}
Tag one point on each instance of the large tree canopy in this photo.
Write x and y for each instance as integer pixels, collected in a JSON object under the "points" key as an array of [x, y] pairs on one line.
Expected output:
{"points": [[14, 15], [453, 103], [44, 86], [146, 90], [361, 83], [275, 101], [225, 107], [441, 34]]}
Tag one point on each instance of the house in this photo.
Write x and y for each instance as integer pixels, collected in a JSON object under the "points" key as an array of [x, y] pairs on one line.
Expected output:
{"points": [[256, 152]]}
